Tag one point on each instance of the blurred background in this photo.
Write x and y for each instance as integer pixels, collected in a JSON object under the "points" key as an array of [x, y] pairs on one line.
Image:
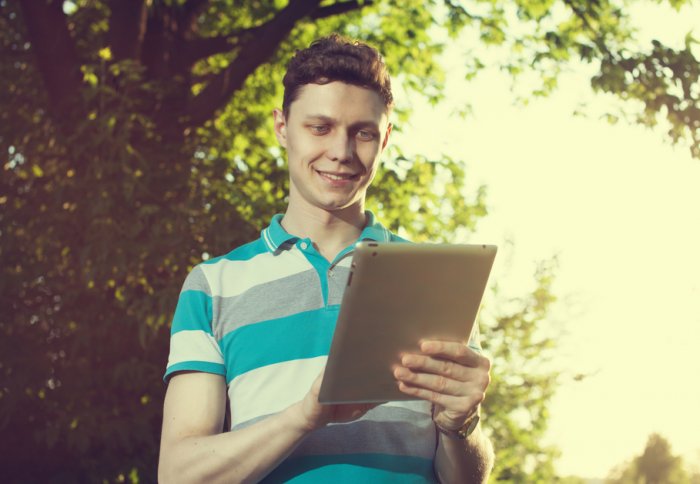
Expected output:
{"points": [[136, 140]]}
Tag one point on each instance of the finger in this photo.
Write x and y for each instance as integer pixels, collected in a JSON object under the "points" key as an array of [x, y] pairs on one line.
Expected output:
{"points": [[429, 381], [455, 351], [451, 403], [437, 366]]}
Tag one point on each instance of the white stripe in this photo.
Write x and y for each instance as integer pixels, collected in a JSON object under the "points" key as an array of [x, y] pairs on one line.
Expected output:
{"points": [[272, 388], [194, 345], [268, 239], [233, 277]]}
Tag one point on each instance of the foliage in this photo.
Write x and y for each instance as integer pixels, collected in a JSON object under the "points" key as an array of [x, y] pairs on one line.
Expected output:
{"points": [[570, 480], [665, 81], [136, 140], [523, 382], [656, 465]]}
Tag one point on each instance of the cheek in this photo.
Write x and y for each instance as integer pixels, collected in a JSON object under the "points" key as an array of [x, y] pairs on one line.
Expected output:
{"points": [[370, 159], [305, 153]]}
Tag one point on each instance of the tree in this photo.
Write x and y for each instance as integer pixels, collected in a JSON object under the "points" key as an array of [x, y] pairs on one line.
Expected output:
{"points": [[523, 382], [136, 140], [656, 465]]}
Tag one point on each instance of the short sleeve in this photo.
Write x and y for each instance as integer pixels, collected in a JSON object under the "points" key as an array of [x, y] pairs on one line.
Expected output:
{"points": [[193, 346]]}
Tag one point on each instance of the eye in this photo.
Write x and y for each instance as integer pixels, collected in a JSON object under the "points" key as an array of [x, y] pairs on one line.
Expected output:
{"points": [[365, 135], [319, 129]]}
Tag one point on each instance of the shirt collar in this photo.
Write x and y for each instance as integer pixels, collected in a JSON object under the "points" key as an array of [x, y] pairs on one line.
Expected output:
{"points": [[274, 236], [374, 230]]}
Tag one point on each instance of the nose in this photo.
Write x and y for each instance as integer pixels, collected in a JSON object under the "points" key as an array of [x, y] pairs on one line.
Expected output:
{"points": [[340, 147]]}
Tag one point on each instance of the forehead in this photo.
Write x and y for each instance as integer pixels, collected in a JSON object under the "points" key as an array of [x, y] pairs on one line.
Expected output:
{"points": [[338, 100]]}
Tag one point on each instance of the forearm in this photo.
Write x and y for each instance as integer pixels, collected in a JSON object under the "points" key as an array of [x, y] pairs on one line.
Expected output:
{"points": [[464, 461], [245, 455]]}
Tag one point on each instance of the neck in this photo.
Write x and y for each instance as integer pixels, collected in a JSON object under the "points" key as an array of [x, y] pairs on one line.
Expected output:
{"points": [[330, 231]]}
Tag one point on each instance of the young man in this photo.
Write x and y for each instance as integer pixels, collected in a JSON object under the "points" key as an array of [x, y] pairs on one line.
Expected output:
{"points": [[255, 325]]}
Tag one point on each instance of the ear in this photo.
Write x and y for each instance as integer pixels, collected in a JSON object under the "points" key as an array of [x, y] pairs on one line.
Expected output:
{"points": [[386, 136], [280, 127]]}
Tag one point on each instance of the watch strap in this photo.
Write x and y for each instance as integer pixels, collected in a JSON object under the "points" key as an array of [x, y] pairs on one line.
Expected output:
{"points": [[464, 431]]}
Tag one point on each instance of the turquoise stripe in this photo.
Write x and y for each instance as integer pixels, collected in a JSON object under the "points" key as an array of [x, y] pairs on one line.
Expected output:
{"points": [[193, 312], [354, 468], [204, 366], [299, 336]]}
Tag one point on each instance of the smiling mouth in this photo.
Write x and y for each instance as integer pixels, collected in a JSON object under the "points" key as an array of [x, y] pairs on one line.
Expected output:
{"points": [[337, 176]]}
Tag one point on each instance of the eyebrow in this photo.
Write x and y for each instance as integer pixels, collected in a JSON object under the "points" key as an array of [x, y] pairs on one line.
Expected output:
{"points": [[327, 119]]}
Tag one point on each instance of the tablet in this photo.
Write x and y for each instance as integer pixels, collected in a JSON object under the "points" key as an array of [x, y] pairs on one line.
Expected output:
{"points": [[396, 295]]}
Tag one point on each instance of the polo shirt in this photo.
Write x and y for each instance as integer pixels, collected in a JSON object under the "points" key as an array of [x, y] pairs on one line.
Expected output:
{"points": [[263, 317]]}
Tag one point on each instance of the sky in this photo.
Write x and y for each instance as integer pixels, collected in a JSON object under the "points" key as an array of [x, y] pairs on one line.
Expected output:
{"points": [[618, 205]]}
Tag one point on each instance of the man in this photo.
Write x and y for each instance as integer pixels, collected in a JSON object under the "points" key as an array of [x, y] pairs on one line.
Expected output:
{"points": [[255, 325]]}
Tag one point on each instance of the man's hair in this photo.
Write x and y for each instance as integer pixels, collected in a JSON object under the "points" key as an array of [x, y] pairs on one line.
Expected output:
{"points": [[335, 58]]}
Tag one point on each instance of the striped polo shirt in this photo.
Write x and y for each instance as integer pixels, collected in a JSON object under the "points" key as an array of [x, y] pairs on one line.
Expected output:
{"points": [[263, 317]]}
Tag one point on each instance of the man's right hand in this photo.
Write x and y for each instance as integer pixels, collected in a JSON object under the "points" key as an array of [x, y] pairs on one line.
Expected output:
{"points": [[316, 415]]}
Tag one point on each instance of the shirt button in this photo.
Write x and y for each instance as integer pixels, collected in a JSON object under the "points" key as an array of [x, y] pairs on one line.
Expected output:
{"points": [[303, 245]]}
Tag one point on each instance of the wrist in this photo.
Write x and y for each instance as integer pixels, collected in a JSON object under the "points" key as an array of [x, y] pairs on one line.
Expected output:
{"points": [[462, 430], [298, 418]]}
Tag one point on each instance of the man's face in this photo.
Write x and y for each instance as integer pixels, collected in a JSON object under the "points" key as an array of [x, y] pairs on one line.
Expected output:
{"points": [[334, 135]]}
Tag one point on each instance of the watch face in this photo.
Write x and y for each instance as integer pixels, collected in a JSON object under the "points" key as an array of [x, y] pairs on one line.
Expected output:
{"points": [[469, 426]]}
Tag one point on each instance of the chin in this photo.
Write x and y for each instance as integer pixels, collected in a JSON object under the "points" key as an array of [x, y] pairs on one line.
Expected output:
{"points": [[335, 206]]}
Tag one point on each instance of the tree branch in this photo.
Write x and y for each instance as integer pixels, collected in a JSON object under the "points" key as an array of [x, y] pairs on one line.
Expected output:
{"points": [[55, 54], [338, 8], [127, 28], [202, 48], [598, 39], [254, 51], [256, 46]]}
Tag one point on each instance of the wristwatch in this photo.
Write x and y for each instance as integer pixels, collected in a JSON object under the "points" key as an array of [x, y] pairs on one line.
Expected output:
{"points": [[464, 431]]}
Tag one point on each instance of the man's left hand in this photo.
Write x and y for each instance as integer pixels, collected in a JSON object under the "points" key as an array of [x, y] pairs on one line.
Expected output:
{"points": [[450, 375]]}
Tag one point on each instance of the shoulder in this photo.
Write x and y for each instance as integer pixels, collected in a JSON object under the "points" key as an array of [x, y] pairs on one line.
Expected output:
{"points": [[202, 276], [240, 253]]}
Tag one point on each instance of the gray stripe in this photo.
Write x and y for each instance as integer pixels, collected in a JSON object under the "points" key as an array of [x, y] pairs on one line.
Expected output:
{"points": [[337, 283], [271, 300], [196, 281], [383, 430]]}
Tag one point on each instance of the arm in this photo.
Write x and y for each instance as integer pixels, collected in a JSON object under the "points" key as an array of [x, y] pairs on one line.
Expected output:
{"points": [[193, 449], [454, 378], [471, 458]]}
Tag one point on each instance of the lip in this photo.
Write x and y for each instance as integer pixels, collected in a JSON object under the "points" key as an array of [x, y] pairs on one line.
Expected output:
{"points": [[340, 174], [337, 173], [347, 178]]}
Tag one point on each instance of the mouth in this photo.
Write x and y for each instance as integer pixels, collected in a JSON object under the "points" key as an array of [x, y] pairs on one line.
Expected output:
{"points": [[337, 176]]}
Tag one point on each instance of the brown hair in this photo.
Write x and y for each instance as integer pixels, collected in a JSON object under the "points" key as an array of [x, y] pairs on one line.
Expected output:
{"points": [[335, 58]]}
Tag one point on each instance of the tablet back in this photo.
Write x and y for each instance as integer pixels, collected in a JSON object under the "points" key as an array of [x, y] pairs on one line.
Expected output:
{"points": [[398, 294]]}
